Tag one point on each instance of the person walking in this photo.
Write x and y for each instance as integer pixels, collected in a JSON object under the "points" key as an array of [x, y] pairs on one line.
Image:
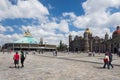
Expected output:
{"points": [[106, 61], [56, 53], [110, 60], [16, 59], [23, 57]]}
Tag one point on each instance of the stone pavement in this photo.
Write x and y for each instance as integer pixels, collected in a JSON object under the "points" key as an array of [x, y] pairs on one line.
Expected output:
{"points": [[62, 67]]}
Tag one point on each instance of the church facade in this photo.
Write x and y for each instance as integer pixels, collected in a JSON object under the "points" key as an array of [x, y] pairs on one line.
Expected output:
{"points": [[88, 43]]}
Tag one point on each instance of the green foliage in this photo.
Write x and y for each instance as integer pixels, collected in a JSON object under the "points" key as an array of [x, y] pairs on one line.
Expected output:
{"points": [[62, 46]]}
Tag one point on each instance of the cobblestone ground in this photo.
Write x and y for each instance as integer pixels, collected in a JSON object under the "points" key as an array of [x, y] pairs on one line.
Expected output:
{"points": [[65, 66]]}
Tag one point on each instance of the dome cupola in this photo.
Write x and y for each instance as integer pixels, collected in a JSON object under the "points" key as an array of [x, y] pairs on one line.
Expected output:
{"points": [[116, 32], [27, 38], [88, 31], [106, 36]]}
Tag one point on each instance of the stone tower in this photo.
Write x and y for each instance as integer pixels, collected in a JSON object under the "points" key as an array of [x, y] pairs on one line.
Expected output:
{"points": [[106, 37], [86, 48], [41, 41], [70, 38]]}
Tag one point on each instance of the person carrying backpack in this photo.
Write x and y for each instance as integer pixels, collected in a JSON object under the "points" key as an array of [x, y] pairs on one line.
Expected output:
{"points": [[110, 59], [23, 57]]}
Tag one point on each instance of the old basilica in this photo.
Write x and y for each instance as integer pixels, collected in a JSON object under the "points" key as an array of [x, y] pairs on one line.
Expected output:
{"points": [[88, 43]]}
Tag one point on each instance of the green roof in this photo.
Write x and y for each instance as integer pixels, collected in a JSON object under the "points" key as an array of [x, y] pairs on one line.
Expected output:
{"points": [[27, 39]]}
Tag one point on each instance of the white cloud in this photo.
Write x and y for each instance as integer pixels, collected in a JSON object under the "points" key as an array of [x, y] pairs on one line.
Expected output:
{"points": [[99, 6], [71, 14], [23, 9], [81, 21], [9, 38], [2, 29], [50, 26], [5, 29], [50, 6], [63, 26], [5, 38], [9, 29], [100, 32], [97, 16], [114, 19]]}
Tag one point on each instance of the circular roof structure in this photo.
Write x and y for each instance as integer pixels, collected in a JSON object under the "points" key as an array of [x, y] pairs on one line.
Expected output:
{"points": [[27, 38], [117, 31], [88, 31]]}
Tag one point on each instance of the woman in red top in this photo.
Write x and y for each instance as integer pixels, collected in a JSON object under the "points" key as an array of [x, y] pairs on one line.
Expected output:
{"points": [[16, 59], [106, 61]]}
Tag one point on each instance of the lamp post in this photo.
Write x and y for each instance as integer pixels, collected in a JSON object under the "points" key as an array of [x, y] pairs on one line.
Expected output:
{"points": [[21, 45], [45, 46], [7, 47], [13, 46]]}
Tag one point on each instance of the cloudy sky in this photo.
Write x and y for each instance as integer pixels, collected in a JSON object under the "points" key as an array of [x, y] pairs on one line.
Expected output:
{"points": [[54, 20]]}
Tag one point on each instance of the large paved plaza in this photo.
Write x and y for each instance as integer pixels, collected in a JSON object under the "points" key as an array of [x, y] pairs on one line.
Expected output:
{"points": [[62, 67]]}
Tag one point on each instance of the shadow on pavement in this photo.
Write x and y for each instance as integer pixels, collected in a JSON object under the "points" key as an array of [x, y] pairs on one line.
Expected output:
{"points": [[75, 60], [98, 67], [11, 66]]}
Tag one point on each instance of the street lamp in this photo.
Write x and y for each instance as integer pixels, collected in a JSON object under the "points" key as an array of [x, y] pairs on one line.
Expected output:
{"points": [[45, 46]]}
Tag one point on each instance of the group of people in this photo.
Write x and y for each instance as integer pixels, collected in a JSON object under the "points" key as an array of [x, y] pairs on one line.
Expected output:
{"points": [[91, 53], [108, 60], [18, 58]]}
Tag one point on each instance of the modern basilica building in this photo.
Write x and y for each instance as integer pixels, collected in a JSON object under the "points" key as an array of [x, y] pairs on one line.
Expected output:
{"points": [[28, 43], [88, 43]]}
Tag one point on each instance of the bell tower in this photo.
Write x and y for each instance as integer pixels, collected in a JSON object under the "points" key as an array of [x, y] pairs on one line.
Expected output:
{"points": [[86, 35], [106, 36], [41, 41], [70, 38]]}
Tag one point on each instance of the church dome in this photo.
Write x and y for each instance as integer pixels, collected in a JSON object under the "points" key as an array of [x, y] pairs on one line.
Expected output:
{"points": [[27, 38], [88, 31], [117, 31]]}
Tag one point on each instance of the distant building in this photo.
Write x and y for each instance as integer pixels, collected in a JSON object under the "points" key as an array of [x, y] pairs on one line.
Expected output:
{"points": [[27, 42], [97, 44]]}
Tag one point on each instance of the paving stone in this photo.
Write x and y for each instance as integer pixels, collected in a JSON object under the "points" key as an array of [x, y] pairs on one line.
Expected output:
{"points": [[65, 66]]}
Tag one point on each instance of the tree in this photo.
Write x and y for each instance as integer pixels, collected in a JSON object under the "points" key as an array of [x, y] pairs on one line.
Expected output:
{"points": [[62, 46]]}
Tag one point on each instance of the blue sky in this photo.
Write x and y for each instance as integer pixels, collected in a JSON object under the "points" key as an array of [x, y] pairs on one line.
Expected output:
{"points": [[60, 6], [54, 20]]}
